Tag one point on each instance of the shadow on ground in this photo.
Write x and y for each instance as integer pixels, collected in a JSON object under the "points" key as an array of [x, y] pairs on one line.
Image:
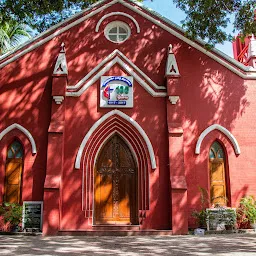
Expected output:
{"points": [[236, 244]]}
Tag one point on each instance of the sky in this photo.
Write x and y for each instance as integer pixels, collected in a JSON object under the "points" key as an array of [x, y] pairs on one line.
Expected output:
{"points": [[167, 9]]}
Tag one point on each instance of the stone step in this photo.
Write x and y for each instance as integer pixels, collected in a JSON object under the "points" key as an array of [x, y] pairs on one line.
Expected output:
{"points": [[116, 233], [115, 227]]}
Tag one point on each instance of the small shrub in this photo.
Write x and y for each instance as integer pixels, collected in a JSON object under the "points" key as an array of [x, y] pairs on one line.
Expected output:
{"points": [[247, 210], [201, 216], [10, 216]]}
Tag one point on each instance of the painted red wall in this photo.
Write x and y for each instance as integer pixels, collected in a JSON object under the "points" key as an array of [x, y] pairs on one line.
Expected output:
{"points": [[209, 94]]}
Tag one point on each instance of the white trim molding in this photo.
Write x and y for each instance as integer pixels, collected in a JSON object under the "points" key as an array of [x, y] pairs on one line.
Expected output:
{"points": [[178, 32], [128, 68], [117, 53], [221, 129], [128, 119], [117, 13], [220, 57], [54, 31], [22, 129]]}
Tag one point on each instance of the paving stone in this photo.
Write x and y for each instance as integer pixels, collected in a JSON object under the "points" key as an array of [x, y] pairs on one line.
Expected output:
{"points": [[224, 244]]}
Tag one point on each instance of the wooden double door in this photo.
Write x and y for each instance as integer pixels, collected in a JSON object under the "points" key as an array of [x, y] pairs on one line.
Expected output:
{"points": [[115, 184]]}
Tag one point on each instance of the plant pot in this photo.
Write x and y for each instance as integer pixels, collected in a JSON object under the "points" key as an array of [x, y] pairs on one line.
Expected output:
{"points": [[199, 232], [15, 228], [229, 227], [220, 226]]}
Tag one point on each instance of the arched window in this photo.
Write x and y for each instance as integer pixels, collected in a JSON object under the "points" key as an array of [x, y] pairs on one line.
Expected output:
{"points": [[217, 164], [13, 172]]}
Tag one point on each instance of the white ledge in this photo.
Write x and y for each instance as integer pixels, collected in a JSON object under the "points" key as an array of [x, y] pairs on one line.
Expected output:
{"points": [[58, 99], [174, 99]]}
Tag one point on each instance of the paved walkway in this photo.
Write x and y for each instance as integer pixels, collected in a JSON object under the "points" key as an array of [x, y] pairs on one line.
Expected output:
{"points": [[235, 245]]}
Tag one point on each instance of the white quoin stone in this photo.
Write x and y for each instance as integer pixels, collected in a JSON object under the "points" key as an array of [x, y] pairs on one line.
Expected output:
{"points": [[171, 66], [61, 67]]}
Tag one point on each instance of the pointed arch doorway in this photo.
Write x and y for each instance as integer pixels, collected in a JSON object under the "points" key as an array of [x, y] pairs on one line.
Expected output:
{"points": [[13, 172], [115, 184], [218, 175]]}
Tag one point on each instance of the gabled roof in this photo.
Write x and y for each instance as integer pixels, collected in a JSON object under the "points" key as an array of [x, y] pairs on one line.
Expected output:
{"points": [[230, 63]]}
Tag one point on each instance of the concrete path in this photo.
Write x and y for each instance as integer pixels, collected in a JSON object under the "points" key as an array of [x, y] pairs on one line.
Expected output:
{"points": [[235, 245]]}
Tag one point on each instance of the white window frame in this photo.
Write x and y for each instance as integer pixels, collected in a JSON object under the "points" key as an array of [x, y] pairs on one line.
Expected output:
{"points": [[117, 24]]}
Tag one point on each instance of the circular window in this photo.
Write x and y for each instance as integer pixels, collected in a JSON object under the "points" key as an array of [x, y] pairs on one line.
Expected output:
{"points": [[117, 31]]}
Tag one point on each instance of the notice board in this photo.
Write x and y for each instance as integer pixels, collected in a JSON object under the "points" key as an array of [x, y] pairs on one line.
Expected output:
{"points": [[32, 216]]}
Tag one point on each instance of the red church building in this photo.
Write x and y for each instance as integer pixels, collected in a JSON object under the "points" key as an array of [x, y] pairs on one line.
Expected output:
{"points": [[113, 119]]}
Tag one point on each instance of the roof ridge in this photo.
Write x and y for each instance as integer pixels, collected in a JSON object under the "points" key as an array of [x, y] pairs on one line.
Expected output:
{"points": [[56, 26], [197, 40], [225, 60]]}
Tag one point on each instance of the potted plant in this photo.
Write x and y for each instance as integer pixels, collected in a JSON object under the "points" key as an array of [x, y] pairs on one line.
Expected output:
{"points": [[230, 219], [201, 216], [248, 210], [11, 214]]}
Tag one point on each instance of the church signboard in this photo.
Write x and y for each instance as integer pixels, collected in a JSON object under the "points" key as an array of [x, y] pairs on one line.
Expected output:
{"points": [[116, 92], [32, 216]]}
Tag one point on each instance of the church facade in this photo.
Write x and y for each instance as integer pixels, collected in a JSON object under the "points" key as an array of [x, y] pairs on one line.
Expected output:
{"points": [[114, 119]]}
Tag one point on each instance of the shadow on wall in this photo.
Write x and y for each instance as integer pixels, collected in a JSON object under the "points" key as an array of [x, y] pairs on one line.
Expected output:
{"points": [[206, 86], [212, 95]]}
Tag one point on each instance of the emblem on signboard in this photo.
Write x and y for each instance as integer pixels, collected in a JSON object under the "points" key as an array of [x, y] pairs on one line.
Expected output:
{"points": [[116, 91], [107, 91]]}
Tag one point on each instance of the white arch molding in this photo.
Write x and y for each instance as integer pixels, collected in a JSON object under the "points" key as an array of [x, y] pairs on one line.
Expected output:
{"points": [[129, 71], [117, 13], [22, 129], [221, 129], [128, 119]]}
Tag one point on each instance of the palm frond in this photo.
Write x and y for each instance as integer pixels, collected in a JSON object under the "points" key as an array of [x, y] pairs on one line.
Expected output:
{"points": [[12, 34]]}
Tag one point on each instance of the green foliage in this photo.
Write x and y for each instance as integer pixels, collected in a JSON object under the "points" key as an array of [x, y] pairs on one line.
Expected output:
{"points": [[221, 215], [208, 19], [201, 216], [217, 215], [248, 209], [41, 14], [12, 213], [230, 217], [11, 34]]}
